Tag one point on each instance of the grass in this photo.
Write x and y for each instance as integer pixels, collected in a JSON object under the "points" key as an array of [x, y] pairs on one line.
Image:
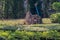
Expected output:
{"points": [[46, 22], [12, 22], [17, 22], [52, 24]]}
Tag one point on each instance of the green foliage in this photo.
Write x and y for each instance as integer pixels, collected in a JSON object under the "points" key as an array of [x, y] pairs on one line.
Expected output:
{"points": [[55, 18], [56, 6], [35, 27], [24, 35], [30, 35], [11, 9], [4, 35]]}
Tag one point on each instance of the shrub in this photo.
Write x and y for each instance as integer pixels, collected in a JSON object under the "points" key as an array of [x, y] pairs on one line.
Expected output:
{"points": [[56, 6], [24, 35], [55, 18], [4, 35]]}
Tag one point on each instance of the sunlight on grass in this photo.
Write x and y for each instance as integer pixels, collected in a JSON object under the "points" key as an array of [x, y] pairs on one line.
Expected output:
{"points": [[46, 20], [22, 21], [12, 22]]}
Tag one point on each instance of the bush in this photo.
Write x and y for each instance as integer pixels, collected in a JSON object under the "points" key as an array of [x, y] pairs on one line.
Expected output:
{"points": [[24, 35], [4, 35], [56, 6], [55, 18]]}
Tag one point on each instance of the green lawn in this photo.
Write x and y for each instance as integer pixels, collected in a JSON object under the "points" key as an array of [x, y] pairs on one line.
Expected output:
{"points": [[11, 24], [46, 22]]}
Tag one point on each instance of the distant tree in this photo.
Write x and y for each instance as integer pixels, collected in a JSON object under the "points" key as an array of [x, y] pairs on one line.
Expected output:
{"points": [[14, 9]]}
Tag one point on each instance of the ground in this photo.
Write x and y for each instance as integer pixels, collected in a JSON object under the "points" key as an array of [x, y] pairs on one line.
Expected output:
{"points": [[46, 21], [22, 21], [12, 28]]}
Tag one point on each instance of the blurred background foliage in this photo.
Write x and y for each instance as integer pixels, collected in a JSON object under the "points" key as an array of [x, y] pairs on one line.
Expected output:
{"points": [[15, 9]]}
